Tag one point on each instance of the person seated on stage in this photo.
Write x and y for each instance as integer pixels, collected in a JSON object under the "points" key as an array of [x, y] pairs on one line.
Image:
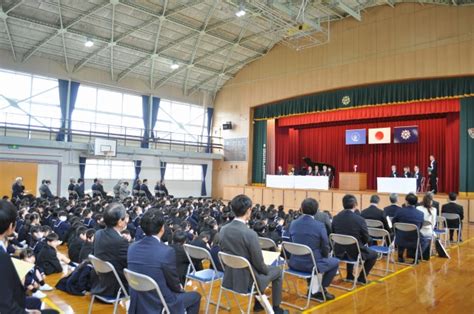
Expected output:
{"points": [[375, 213], [324, 172], [418, 175], [406, 172], [316, 170], [160, 189], [237, 239], [408, 214], [49, 259], [280, 171], [79, 188], [18, 189], [393, 172], [347, 222], [308, 231], [44, 190], [72, 184], [392, 209], [330, 175], [426, 231], [144, 188], [153, 258], [292, 172], [453, 208], [309, 171], [123, 191]]}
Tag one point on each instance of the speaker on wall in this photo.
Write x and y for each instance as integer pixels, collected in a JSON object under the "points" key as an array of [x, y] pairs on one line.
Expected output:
{"points": [[227, 126]]}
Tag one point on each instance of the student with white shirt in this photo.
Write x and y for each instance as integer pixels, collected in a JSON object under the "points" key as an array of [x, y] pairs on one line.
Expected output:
{"points": [[426, 231]]}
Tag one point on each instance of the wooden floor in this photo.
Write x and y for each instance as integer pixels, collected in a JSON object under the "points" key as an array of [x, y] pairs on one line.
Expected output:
{"points": [[437, 286]]}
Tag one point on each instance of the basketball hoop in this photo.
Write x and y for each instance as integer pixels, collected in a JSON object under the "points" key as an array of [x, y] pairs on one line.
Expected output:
{"points": [[108, 154]]}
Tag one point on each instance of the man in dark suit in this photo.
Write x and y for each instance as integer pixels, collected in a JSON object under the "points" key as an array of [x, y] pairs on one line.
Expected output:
{"points": [[18, 188], [100, 188], [347, 222], [144, 188], [408, 214], [160, 189], [453, 208], [110, 246], [309, 171], [418, 175], [375, 213], [44, 190], [392, 209], [393, 173], [280, 171], [433, 169], [238, 239], [308, 231], [72, 184], [406, 172], [153, 258], [79, 188]]}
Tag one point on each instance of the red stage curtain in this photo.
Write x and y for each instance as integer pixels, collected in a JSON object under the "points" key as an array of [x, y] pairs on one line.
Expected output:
{"points": [[385, 111], [439, 135]]}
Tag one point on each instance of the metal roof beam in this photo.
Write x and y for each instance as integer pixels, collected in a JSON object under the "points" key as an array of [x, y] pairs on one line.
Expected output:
{"points": [[63, 40], [4, 17], [355, 13]]}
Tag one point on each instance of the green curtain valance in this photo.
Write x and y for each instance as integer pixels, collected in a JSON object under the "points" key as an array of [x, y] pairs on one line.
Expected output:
{"points": [[387, 93]]}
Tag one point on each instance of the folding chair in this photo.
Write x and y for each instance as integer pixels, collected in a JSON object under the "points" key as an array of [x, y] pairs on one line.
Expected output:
{"points": [[372, 223], [422, 187], [270, 245], [441, 229], [404, 227], [450, 216], [238, 262], [386, 246], [204, 276], [102, 267], [143, 283], [296, 249], [346, 240]]}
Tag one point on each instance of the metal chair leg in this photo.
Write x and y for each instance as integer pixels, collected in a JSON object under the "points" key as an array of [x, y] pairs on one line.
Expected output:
{"points": [[91, 304]]}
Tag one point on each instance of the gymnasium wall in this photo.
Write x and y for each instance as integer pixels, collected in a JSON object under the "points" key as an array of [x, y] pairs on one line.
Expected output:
{"points": [[406, 42]]}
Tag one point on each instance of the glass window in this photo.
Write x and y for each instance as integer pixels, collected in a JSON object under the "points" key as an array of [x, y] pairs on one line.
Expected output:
{"points": [[109, 101], [47, 89], [109, 169], [15, 85], [183, 172], [86, 98], [132, 105]]}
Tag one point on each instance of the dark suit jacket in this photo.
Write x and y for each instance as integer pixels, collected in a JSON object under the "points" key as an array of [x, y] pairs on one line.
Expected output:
{"points": [[79, 188], [12, 293], [409, 215], [434, 168], [145, 189], [393, 174], [109, 246], [453, 208], [349, 223], [45, 192], [308, 231], [182, 262], [17, 190], [418, 177], [48, 261], [151, 257], [375, 213], [391, 210], [86, 249], [407, 175], [100, 188], [237, 239]]}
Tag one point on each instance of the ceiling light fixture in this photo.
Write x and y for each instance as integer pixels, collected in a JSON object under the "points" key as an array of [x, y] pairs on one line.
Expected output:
{"points": [[174, 65], [241, 11], [89, 43]]}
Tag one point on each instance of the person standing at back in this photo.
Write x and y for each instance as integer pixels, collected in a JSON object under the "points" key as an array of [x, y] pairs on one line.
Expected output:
{"points": [[236, 238]]}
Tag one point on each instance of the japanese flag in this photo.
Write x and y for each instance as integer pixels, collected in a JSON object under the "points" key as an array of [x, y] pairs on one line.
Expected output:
{"points": [[379, 136]]}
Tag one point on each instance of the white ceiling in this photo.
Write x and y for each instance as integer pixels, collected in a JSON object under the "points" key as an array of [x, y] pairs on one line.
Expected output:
{"points": [[142, 38]]}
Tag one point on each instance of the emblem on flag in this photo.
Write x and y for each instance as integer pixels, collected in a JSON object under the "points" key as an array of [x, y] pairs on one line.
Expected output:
{"points": [[405, 134], [356, 137]]}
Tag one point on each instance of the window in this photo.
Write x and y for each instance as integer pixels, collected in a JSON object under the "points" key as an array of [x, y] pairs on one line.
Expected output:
{"points": [[109, 169], [183, 172]]}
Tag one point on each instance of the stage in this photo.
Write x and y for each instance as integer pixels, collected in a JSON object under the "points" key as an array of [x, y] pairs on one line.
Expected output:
{"points": [[328, 200]]}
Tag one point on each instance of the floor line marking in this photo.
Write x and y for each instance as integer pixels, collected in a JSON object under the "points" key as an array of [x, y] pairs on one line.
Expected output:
{"points": [[51, 304]]}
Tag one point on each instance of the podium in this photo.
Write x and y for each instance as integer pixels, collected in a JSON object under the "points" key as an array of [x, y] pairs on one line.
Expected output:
{"points": [[353, 181]]}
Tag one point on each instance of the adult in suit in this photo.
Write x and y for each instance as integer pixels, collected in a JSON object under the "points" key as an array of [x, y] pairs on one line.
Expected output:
{"points": [[325, 219], [110, 246], [280, 171], [393, 172], [116, 188], [136, 187], [94, 186], [100, 188], [347, 222], [123, 191], [375, 213], [408, 214], [433, 169], [44, 190], [153, 258], [418, 175], [144, 188], [317, 171], [71, 185], [406, 172], [309, 171], [330, 175], [18, 188], [237, 239], [160, 189], [393, 208], [308, 231], [79, 188], [453, 208], [324, 172]]}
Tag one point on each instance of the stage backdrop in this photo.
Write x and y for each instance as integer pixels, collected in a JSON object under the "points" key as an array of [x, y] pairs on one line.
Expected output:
{"points": [[325, 141]]}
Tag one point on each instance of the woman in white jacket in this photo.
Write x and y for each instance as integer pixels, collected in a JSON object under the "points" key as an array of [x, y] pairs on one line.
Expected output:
{"points": [[429, 224]]}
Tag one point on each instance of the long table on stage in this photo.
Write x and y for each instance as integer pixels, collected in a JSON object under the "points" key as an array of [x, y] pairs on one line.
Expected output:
{"points": [[298, 182], [396, 185]]}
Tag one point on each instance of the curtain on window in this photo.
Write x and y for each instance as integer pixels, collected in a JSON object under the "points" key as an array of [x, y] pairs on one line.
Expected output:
{"points": [[66, 89]]}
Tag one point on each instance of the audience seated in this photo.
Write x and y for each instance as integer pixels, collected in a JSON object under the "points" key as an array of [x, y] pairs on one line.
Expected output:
{"points": [[75, 245], [182, 262], [429, 222], [392, 209], [453, 208], [375, 213], [347, 222], [49, 259], [151, 257], [308, 231], [88, 246]]}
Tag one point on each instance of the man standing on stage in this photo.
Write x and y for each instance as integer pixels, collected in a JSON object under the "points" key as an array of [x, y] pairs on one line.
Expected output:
{"points": [[433, 170]]}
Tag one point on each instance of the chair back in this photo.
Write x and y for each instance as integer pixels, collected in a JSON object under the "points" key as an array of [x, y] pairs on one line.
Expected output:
{"points": [[380, 234], [296, 249], [372, 223], [450, 216], [422, 185], [237, 262], [197, 252], [266, 243], [441, 223], [103, 267], [401, 226], [343, 239], [144, 283]]}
